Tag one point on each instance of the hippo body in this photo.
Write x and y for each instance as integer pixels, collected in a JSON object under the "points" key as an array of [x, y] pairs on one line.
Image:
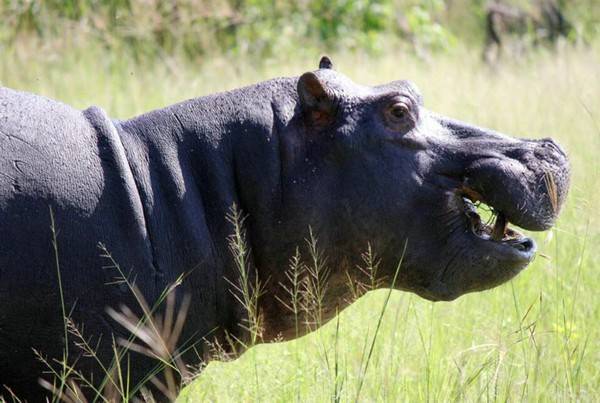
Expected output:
{"points": [[357, 165]]}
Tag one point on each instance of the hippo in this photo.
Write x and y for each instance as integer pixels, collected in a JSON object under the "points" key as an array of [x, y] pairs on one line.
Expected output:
{"points": [[87, 202]]}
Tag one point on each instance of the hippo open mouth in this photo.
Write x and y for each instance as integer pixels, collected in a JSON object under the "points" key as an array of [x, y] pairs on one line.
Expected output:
{"points": [[496, 228], [536, 209]]}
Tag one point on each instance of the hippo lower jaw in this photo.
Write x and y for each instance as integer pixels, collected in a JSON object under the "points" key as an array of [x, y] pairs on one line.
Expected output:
{"points": [[481, 255]]}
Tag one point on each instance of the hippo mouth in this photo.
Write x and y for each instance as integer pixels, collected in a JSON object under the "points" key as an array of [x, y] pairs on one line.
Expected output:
{"points": [[496, 228]]}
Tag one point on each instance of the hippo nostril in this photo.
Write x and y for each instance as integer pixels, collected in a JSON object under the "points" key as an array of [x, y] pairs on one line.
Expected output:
{"points": [[548, 150], [525, 244], [552, 145]]}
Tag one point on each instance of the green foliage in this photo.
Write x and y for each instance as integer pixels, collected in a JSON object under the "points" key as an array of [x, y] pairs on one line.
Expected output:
{"points": [[249, 27], [430, 33], [259, 28]]}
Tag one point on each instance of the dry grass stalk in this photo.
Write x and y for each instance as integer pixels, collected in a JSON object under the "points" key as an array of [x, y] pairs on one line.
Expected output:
{"points": [[294, 276], [248, 289], [368, 270], [314, 285], [158, 339]]}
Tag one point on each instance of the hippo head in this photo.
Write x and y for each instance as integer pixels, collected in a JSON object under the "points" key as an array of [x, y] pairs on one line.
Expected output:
{"points": [[371, 165]]}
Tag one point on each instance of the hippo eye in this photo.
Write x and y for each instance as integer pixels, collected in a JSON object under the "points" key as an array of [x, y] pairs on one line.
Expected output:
{"points": [[399, 116], [399, 111]]}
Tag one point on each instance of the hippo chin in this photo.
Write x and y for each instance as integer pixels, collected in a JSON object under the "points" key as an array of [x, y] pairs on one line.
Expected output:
{"points": [[357, 165]]}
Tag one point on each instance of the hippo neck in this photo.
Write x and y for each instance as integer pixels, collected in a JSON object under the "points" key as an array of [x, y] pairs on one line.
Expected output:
{"points": [[192, 162]]}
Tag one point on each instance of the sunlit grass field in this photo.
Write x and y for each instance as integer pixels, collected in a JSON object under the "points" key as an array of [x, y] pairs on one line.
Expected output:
{"points": [[535, 338]]}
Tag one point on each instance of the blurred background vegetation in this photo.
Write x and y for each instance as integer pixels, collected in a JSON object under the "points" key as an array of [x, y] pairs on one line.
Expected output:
{"points": [[260, 29]]}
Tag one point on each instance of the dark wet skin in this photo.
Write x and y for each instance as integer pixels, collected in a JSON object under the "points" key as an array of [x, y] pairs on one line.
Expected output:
{"points": [[358, 165]]}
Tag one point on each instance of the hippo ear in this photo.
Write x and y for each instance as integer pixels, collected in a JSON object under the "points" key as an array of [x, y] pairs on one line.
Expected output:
{"points": [[326, 63], [317, 103]]}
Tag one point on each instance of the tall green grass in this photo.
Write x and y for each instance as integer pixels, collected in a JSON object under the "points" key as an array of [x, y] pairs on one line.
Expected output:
{"points": [[535, 338]]}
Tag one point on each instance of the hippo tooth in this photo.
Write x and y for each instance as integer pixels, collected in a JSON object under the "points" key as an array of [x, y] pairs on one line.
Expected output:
{"points": [[500, 227]]}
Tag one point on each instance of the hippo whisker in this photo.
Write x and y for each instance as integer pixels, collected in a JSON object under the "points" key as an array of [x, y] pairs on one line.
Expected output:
{"points": [[551, 189]]}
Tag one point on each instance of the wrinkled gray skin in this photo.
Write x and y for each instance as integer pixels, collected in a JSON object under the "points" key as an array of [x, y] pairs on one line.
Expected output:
{"points": [[357, 164]]}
